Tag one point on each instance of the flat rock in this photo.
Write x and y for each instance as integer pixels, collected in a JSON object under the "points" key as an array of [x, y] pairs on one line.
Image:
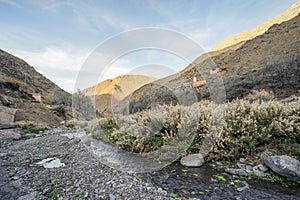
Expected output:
{"points": [[285, 166], [239, 172], [193, 160], [7, 115], [51, 163]]}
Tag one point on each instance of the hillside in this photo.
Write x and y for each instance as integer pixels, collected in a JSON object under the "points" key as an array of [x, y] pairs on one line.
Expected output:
{"points": [[269, 61], [120, 86], [290, 13], [107, 92], [18, 83]]}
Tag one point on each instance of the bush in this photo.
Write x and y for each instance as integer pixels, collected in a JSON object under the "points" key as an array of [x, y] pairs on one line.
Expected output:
{"points": [[252, 126], [12, 84], [59, 111], [33, 130]]}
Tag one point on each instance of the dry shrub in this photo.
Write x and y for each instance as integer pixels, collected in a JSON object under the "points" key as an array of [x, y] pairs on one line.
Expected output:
{"points": [[252, 125], [259, 95], [26, 124]]}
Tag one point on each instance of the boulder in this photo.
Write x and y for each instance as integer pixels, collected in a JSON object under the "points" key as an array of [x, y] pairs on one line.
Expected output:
{"points": [[285, 166], [7, 115], [193, 160]]}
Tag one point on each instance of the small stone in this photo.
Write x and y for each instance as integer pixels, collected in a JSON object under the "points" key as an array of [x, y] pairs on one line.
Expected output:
{"points": [[251, 163], [243, 188], [249, 169], [15, 177], [3, 155], [242, 160], [239, 172], [260, 173], [240, 165], [30, 196], [193, 160], [112, 197], [86, 140], [262, 168], [213, 180]]}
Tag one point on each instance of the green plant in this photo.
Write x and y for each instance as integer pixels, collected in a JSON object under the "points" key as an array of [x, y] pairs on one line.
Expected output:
{"points": [[59, 111], [254, 175], [33, 130], [139, 176], [70, 125], [219, 177], [78, 197], [173, 195], [150, 184], [275, 178], [53, 194], [54, 184]]}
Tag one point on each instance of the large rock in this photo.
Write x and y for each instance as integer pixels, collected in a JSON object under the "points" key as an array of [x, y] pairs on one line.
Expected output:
{"points": [[193, 160], [7, 115], [285, 166]]}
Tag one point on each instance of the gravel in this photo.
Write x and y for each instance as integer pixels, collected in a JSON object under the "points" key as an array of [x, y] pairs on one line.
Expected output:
{"points": [[83, 176]]}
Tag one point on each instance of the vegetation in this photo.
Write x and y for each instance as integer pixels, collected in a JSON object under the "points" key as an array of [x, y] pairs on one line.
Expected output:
{"points": [[53, 194], [30, 127], [252, 125], [219, 177], [275, 178], [48, 99], [12, 84], [59, 111]]}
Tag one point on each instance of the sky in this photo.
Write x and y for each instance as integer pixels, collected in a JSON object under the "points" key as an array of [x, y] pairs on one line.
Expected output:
{"points": [[58, 36]]}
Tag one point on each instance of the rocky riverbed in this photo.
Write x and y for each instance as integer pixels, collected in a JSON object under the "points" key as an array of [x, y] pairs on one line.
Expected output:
{"points": [[54, 165]]}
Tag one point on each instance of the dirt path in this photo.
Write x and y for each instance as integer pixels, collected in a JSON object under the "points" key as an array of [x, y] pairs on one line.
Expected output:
{"points": [[81, 175]]}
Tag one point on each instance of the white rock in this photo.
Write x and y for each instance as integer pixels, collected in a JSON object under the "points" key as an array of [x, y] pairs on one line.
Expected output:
{"points": [[193, 160], [51, 163]]}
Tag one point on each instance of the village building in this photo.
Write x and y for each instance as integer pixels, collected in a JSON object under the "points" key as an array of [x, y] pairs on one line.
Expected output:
{"points": [[37, 97], [197, 84]]}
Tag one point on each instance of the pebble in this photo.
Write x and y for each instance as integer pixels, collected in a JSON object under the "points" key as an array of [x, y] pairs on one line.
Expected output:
{"points": [[84, 174], [243, 188], [112, 197]]}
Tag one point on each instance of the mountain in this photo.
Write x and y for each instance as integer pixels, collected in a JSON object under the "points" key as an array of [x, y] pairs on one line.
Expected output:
{"points": [[120, 86], [270, 61], [260, 29], [114, 90], [21, 87]]}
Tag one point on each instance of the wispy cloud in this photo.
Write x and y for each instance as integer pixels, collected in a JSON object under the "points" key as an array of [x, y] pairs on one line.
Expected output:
{"points": [[10, 2], [54, 58], [59, 64]]}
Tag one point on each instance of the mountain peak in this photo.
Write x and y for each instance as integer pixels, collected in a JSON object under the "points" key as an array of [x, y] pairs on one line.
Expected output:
{"points": [[290, 13], [125, 83]]}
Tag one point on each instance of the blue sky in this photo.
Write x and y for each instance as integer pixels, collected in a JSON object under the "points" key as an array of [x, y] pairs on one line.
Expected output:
{"points": [[57, 36]]}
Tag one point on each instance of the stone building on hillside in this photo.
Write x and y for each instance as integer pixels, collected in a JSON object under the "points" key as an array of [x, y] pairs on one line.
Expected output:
{"points": [[37, 97], [197, 84]]}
